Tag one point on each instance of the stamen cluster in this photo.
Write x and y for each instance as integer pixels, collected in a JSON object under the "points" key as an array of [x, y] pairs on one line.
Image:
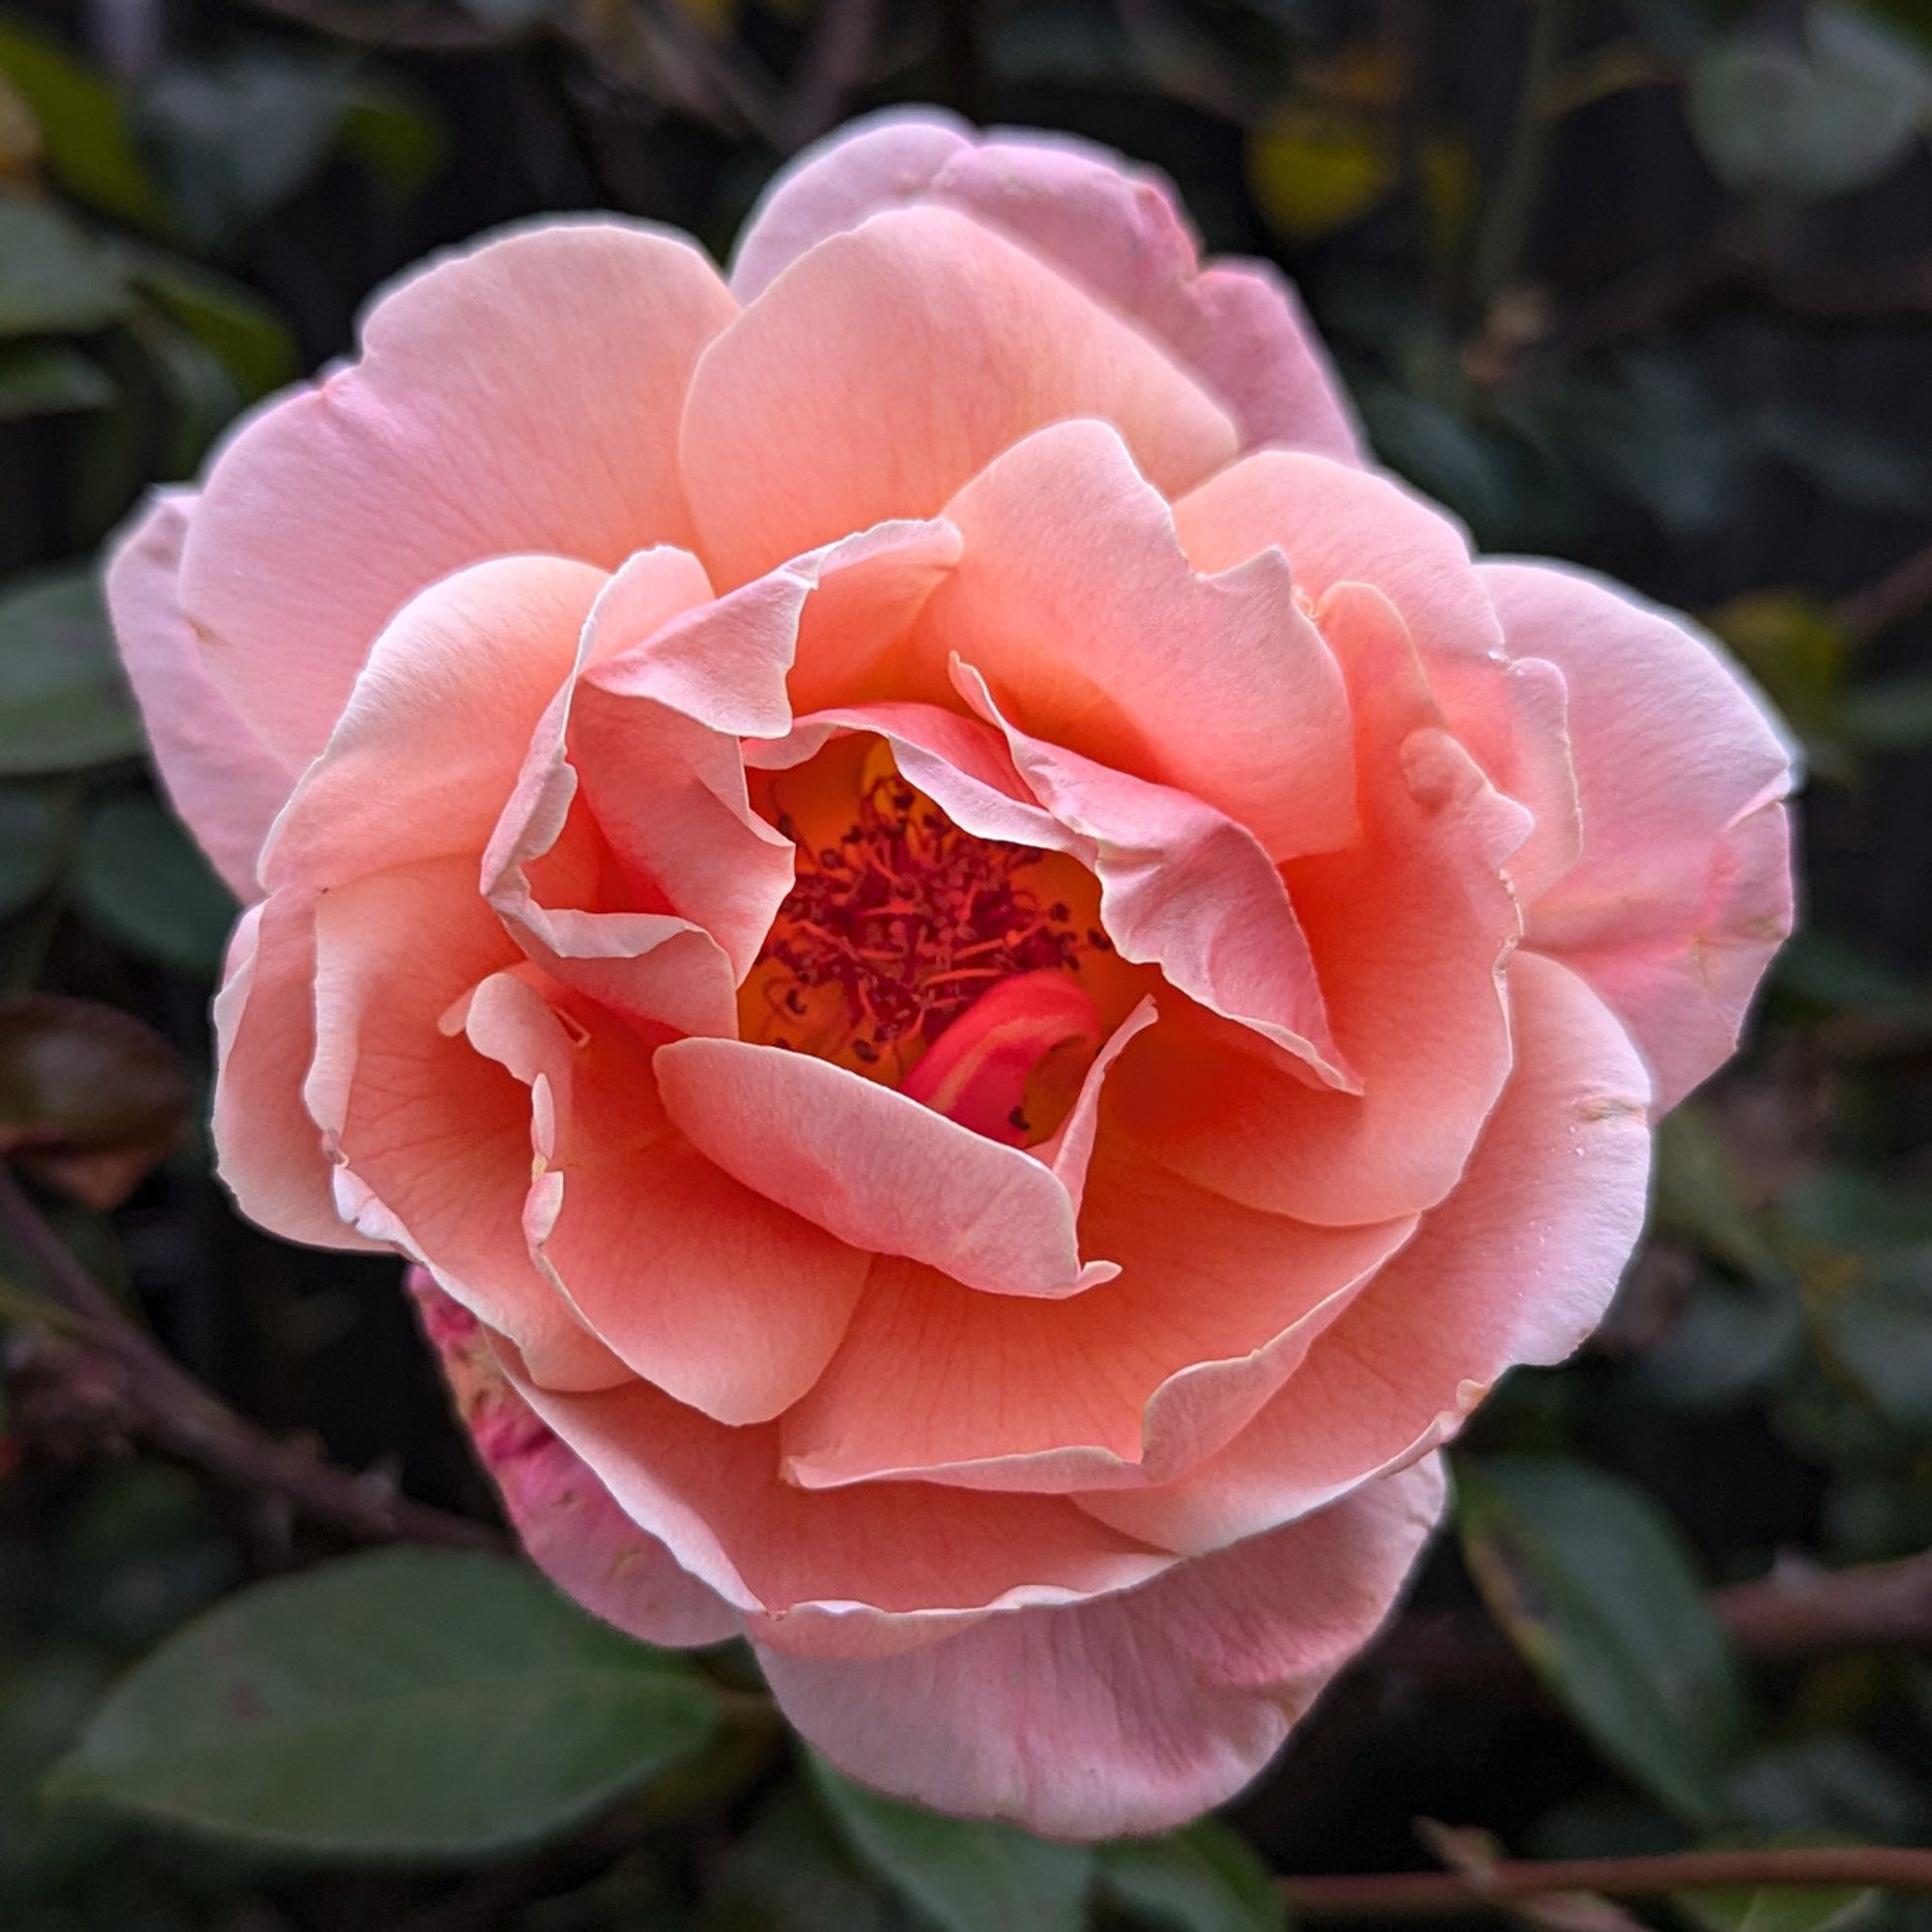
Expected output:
{"points": [[910, 919]]}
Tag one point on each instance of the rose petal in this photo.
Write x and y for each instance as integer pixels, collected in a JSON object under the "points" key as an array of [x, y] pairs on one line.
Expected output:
{"points": [[889, 365], [1684, 889], [225, 787], [1116, 229], [519, 397], [1134, 1712], [1516, 1266]]}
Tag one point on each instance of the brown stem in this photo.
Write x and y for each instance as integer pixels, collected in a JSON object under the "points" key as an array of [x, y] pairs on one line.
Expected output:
{"points": [[1425, 1894], [1897, 597], [105, 1380]]}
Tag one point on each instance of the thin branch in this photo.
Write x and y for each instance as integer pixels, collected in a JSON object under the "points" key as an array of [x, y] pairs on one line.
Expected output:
{"points": [[834, 63], [1896, 598], [1427, 1895], [103, 1380]]}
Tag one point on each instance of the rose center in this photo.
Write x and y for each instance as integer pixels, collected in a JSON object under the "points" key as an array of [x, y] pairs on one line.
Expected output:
{"points": [[920, 955]]}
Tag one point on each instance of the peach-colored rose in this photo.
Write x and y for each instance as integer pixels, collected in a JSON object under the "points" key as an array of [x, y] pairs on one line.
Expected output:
{"points": [[992, 981]]}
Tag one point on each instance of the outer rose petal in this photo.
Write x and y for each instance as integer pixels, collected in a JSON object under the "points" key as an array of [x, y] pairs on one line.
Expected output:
{"points": [[1129, 1713], [1516, 1266], [890, 365], [1684, 889], [1116, 229], [524, 396], [225, 787], [565, 1516]]}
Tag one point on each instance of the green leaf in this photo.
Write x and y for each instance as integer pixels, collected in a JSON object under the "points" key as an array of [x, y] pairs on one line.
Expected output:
{"points": [[1811, 119], [787, 1873], [964, 1876], [85, 141], [1598, 1594], [55, 277], [1731, 1339], [1779, 1908], [1699, 1198], [404, 1703], [63, 703], [395, 136], [1892, 713], [1203, 1879], [142, 882], [47, 378], [233, 324], [31, 835]]}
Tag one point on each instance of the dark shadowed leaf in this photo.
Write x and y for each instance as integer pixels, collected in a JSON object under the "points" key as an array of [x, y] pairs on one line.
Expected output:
{"points": [[1600, 1596], [30, 846], [55, 277], [90, 1098], [233, 324], [404, 1703], [1203, 1879], [141, 881], [1889, 714], [63, 702], [790, 1873], [48, 379], [963, 1875]]}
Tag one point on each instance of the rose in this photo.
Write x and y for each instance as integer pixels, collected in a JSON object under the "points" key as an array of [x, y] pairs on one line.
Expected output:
{"points": [[991, 982]]}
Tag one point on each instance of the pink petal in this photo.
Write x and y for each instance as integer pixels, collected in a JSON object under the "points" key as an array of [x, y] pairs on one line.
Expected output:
{"points": [[437, 727], [724, 1300], [1516, 1266], [1187, 890], [565, 1516], [1115, 229], [269, 1151], [432, 1138], [521, 397], [1682, 893], [1134, 1712], [225, 787], [1408, 933], [889, 365], [877, 1169], [1214, 1307], [1074, 602], [861, 1571]]}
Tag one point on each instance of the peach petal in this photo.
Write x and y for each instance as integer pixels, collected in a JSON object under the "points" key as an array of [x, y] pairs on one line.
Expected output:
{"points": [[730, 1304], [1188, 890], [877, 1169], [521, 396], [431, 1139], [1214, 1308], [1410, 933], [889, 365], [225, 787], [1683, 892], [1134, 1712], [1516, 1266], [1074, 602], [563, 1516], [269, 1149], [437, 725], [868, 1570], [1115, 229]]}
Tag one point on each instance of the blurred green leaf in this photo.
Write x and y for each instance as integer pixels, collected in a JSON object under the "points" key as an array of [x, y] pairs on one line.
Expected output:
{"points": [[85, 140], [233, 323], [90, 1097], [1600, 1596], [1809, 118], [31, 833], [394, 136], [1731, 1339], [1315, 167], [1203, 1879], [1834, 971], [1892, 713], [407, 1702], [963, 1875], [787, 1873], [55, 277], [63, 703], [1697, 1195], [142, 882], [235, 137], [1795, 646], [1829, 1786], [1779, 1909], [48, 379]]}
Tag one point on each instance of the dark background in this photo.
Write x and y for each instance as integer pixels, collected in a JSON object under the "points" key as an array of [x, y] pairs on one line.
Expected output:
{"points": [[1645, 285]]}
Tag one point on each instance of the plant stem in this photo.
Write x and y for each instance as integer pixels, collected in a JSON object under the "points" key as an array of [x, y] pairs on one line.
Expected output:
{"points": [[1426, 1895], [1504, 231]]}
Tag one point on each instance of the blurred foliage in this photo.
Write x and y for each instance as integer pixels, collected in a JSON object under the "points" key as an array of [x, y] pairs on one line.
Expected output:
{"points": [[1643, 283]]}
